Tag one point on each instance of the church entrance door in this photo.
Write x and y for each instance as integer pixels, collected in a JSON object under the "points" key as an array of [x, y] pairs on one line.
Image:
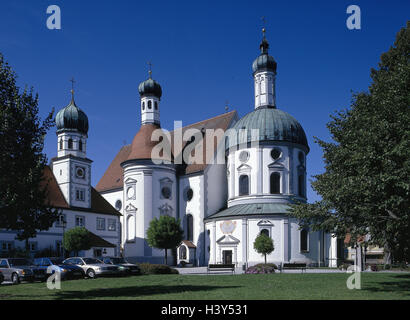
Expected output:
{"points": [[227, 257]]}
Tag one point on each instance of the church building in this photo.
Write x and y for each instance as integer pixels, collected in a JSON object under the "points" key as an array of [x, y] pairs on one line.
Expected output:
{"points": [[223, 207]]}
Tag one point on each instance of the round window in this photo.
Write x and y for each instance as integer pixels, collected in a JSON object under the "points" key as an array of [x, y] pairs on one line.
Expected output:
{"points": [[244, 156], [118, 205], [130, 192], [80, 172], [189, 194], [166, 192], [275, 154]]}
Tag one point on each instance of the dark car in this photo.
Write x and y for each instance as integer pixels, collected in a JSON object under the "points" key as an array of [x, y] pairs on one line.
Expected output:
{"points": [[20, 269], [67, 271], [129, 268], [1, 277]]}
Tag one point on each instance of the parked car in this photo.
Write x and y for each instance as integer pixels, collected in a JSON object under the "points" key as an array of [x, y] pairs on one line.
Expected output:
{"points": [[1, 277], [20, 269], [129, 268], [93, 267], [67, 271]]}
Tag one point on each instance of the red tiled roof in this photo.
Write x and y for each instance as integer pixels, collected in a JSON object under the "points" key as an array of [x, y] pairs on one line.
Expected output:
{"points": [[142, 147], [97, 241], [189, 244], [55, 197]]}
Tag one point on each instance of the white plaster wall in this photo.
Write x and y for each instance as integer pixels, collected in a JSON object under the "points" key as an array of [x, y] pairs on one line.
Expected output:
{"points": [[48, 238]]}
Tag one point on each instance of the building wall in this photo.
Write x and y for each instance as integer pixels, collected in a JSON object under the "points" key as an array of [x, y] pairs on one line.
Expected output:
{"points": [[49, 238]]}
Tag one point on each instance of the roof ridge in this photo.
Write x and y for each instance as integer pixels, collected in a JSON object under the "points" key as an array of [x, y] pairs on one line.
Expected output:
{"points": [[213, 118]]}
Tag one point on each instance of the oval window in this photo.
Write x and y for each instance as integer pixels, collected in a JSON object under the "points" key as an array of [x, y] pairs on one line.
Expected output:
{"points": [[275, 154]]}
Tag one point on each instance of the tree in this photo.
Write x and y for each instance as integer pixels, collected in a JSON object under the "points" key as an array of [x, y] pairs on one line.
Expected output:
{"points": [[263, 245], [23, 190], [77, 239], [165, 233], [365, 188]]}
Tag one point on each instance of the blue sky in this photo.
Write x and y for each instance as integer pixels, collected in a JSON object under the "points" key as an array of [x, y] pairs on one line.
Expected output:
{"points": [[201, 53]]}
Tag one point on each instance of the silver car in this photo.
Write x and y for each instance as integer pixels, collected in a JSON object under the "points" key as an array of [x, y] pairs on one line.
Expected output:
{"points": [[93, 267], [19, 269]]}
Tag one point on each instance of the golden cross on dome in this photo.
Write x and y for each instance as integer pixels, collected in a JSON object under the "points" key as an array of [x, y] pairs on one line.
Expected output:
{"points": [[72, 87], [263, 28], [150, 67]]}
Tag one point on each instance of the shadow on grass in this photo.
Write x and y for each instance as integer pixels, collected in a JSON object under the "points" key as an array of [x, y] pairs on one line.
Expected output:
{"points": [[134, 291], [398, 284]]}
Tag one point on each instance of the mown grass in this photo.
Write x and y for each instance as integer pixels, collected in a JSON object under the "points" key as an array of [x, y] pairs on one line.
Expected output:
{"points": [[220, 287]]}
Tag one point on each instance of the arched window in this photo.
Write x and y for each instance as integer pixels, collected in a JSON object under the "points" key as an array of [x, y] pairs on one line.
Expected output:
{"points": [[61, 144], [80, 145], [156, 105], [182, 252], [70, 143], [243, 185], [275, 183], [189, 227], [149, 104], [304, 240], [301, 182], [265, 232], [143, 106]]}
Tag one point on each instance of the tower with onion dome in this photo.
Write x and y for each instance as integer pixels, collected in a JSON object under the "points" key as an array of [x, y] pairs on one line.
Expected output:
{"points": [[71, 167], [149, 183]]}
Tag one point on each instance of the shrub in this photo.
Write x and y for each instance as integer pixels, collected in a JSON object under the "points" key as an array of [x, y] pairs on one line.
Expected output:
{"points": [[266, 265], [148, 268], [261, 269]]}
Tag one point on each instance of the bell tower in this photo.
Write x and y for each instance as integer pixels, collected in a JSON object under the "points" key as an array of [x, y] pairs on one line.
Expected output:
{"points": [[71, 167]]}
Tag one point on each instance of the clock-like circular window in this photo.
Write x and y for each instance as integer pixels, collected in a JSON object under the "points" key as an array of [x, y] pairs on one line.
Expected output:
{"points": [[275, 154], [80, 173], [166, 192], [244, 156]]}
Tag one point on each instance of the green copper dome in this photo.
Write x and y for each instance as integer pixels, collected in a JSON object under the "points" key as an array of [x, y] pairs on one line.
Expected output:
{"points": [[72, 118], [273, 124], [150, 87]]}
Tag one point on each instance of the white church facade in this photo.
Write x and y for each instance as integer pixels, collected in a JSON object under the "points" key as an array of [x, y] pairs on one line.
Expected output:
{"points": [[223, 207]]}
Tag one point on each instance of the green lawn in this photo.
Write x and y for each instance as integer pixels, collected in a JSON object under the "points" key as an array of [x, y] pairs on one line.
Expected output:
{"points": [[261, 287]]}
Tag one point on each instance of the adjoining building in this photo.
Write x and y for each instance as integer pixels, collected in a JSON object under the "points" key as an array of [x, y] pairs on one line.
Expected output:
{"points": [[69, 189]]}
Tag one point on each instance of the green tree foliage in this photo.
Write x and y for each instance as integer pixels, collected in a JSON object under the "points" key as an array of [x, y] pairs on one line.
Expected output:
{"points": [[77, 239], [365, 187], [23, 195], [263, 245], [164, 233]]}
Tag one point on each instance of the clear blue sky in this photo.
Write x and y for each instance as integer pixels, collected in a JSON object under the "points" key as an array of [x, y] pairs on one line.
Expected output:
{"points": [[201, 52]]}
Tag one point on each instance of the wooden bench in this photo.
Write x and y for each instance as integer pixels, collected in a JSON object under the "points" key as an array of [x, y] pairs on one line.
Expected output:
{"points": [[293, 266], [221, 267]]}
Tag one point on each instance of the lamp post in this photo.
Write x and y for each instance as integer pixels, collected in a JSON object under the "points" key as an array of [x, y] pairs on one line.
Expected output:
{"points": [[64, 224]]}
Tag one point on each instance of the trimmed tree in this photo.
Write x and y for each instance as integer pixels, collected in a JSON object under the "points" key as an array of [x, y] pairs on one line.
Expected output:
{"points": [[365, 189], [263, 245], [77, 239], [165, 233], [23, 191]]}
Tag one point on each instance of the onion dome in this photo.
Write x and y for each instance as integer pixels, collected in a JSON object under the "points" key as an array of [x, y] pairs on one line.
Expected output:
{"points": [[150, 87], [273, 124], [72, 118], [264, 62]]}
